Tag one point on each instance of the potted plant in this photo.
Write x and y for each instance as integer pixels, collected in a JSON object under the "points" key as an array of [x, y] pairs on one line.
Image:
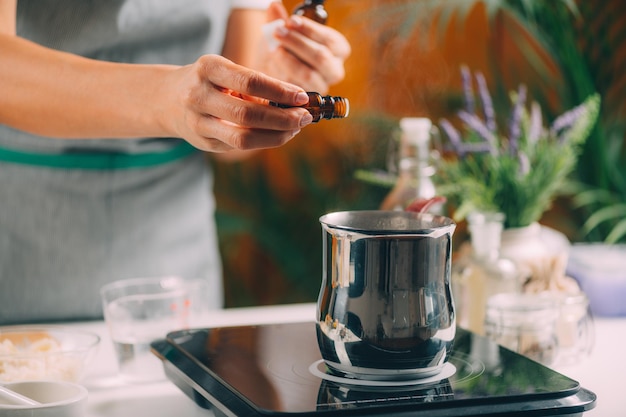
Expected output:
{"points": [[517, 169]]}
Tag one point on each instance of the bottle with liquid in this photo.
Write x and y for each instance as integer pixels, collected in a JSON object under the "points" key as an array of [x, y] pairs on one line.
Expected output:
{"points": [[313, 9], [484, 273], [415, 168], [323, 107]]}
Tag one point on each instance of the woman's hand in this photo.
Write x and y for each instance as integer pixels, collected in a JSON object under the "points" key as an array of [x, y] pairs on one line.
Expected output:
{"points": [[310, 55], [220, 106], [214, 104]]}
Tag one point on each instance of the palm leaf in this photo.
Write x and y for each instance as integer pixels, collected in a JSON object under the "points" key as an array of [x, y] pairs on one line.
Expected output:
{"points": [[616, 211], [592, 197], [618, 232]]}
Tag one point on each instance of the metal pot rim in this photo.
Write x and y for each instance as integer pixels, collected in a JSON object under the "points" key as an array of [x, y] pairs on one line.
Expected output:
{"points": [[387, 222]]}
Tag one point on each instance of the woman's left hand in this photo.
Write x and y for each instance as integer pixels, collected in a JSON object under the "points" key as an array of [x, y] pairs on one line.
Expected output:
{"points": [[310, 55]]}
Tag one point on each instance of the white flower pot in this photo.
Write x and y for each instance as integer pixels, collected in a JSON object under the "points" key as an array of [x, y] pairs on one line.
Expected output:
{"points": [[534, 243]]}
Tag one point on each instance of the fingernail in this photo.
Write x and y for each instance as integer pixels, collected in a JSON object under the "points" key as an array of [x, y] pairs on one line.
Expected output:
{"points": [[302, 97], [295, 20], [306, 119], [281, 31]]}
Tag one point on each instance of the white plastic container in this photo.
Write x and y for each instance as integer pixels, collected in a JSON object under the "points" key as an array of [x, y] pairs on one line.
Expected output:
{"points": [[55, 398], [600, 270]]}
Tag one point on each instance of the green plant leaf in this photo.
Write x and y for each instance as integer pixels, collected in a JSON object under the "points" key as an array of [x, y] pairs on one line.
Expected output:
{"points": [[592, 197], [617, 232], [380, 178], [616, 211]]}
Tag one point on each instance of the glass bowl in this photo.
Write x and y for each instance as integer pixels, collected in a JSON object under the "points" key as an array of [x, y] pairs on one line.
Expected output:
{"points": [[51, 353]]}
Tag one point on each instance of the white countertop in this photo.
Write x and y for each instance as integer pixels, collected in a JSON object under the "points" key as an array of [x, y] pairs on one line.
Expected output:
{"points": [[112, 397], [109, 396]]}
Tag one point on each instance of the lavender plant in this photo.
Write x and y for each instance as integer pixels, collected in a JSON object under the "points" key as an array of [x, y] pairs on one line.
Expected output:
{"points": [[518, 170]]}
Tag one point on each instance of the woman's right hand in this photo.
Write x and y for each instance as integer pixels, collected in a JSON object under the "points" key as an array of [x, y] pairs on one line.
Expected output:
{"points": [[217, 106], [214, 104]]}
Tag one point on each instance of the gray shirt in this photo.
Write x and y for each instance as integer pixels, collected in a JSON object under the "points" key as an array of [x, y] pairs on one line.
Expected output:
{"points": [[68, 228]]}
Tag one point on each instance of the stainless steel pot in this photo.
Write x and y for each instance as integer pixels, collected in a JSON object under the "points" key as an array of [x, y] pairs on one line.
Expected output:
{"points": [[385, 308]]}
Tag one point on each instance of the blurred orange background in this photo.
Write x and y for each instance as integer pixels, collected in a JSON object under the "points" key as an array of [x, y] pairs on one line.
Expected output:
{"points": [[269, 205]]}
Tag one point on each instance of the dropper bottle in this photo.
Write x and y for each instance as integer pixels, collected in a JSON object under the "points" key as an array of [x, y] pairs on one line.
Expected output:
{"points": [[323, 107], [313, 9]]}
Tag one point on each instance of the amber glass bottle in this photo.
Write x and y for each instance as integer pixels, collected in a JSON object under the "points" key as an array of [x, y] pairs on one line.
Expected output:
{"points": [[313, 9], [324, 107]]}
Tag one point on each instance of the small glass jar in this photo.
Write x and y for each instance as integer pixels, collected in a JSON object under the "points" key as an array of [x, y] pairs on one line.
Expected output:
{"points": [[575, 328], [525, 323]]}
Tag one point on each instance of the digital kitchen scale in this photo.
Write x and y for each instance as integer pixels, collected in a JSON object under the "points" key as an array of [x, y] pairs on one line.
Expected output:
{"points": [[277, 370]]}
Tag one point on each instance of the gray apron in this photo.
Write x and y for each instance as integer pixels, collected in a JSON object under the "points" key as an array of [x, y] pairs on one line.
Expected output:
{"points": [[77, 214]]}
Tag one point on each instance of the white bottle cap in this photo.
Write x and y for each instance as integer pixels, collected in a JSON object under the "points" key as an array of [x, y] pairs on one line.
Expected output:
{"points": [[416, 129]]}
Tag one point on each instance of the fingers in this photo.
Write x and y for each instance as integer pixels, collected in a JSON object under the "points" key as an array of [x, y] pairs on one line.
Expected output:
{"points": [[225, 106], [223, 122], [250, 112], [225, 136], [293, 70], [223, 73], [276, 10], [324, 35], [319, 47]]}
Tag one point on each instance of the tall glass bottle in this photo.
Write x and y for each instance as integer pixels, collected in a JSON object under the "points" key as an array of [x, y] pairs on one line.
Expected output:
{"points": [[483, 273], [313, 9], [415, 168]]}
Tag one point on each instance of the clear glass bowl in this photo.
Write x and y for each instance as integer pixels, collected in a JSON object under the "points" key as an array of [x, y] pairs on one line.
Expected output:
{"points": [[52, 353]]}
